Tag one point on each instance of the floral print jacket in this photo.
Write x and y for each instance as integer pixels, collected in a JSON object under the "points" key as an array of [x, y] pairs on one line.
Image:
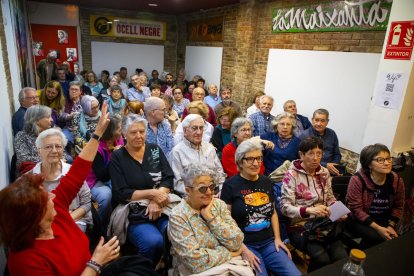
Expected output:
{"points": [[301, 190], [201, 245]]}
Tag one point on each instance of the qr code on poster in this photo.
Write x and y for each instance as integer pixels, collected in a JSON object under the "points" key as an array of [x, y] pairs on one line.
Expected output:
{"points": [[389, 87]]}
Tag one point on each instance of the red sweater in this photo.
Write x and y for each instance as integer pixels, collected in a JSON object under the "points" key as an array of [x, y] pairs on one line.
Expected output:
{"points": [[68, 252], [229, 163]]}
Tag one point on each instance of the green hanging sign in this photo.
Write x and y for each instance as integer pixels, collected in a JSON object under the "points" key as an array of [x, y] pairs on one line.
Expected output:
{"points": [[338, 16]]}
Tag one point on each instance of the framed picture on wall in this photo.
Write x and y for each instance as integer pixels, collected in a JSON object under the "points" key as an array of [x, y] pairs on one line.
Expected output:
{"points": [[63, 37], [71, 54], [38, 49]]}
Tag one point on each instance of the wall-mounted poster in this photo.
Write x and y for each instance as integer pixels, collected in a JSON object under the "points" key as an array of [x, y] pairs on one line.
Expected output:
{"points": [[38, 49], [63, 37], [71, 54]]}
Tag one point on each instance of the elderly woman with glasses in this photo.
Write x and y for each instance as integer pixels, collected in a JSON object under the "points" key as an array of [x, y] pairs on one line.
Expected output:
{"points": [[249, 197], [286, 143], [241, 130], [375, 197], [50, 145], [307, 194], [37, 119], [139, 171], [86, 121], [201, 230]]}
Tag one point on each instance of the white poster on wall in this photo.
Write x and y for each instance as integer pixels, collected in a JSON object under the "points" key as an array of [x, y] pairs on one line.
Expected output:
{"points": [[390, 89], [204, 61]]}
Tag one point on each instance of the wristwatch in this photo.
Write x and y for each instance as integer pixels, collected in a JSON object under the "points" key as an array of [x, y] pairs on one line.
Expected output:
{"points": [[96, 137]]}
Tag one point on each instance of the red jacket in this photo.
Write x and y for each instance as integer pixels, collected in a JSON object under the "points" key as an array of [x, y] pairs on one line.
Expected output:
{"points": [[359, 200]]}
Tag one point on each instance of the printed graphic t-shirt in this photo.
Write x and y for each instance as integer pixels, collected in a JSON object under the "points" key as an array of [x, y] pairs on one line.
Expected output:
{"points": [[252, 206]]}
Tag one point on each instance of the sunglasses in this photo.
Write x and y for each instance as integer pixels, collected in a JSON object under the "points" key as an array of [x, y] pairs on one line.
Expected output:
{"points": [[203, 189]]}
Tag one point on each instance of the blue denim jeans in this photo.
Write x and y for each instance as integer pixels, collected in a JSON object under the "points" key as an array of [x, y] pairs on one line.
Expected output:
{"points": [[101, 193], [276, 262], [148, 238]]}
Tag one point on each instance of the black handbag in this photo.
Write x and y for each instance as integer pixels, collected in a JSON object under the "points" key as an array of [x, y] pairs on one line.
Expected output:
{"points": [[322, 229], [137, 213]]}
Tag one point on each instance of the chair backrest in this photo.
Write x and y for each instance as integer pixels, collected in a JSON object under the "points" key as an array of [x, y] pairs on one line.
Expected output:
{"points": [[340, 186]]}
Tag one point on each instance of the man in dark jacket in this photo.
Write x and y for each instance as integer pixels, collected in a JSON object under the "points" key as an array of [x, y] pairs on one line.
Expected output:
{"points": [[302, 122]]}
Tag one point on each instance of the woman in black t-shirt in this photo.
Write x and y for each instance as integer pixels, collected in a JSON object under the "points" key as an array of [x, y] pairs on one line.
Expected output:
{"points": [[249, 197], [375, 197]]}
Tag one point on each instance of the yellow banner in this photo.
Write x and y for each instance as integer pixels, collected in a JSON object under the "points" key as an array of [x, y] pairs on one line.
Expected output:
{"points": [[210, 29], [127, 27]]}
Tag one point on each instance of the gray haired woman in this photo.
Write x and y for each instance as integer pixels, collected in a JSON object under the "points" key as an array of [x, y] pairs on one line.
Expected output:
{"points": [[241, 130], [37, 119], [249, 197], [50, 145], [201, 230], [286, 143]]}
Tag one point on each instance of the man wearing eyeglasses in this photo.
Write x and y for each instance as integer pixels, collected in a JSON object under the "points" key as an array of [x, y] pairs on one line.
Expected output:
{"points": [[158, 129], [331, 155], [192, 150], [27, 97]]}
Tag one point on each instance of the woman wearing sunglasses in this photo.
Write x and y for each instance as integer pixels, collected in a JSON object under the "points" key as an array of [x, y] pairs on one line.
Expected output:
{"points": [[375, 197], [201, 230], [249, 197]]}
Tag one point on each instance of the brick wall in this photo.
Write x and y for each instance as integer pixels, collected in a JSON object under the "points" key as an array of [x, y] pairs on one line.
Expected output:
{"points": [[248, 37], [170, 49]]}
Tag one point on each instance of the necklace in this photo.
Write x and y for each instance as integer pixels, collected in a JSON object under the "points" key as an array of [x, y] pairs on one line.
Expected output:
{"points": [[283, 142]]}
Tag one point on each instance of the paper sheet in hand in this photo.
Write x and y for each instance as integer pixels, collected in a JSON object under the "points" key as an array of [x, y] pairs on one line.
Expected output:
{"points": [[338, 209]]}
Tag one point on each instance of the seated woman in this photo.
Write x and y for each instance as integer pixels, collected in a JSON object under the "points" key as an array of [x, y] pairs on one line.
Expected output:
{"points": [[72, 108], [141, 171], [209, 238], [86, 121], [170, 114], [50, 145], [99, 180], [105, 93], [307, 193], [241, 130], [375, 197], [255, 104], [52, 96], [116, 104], [39, 231], [36, 119], [200, 108], [286, 144], [249, 197], [179, 101], [93, 83], [221, 134]]}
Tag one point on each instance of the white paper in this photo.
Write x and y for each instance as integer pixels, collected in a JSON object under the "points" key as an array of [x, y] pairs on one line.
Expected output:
{"points": [[338, 210], [390, 89]]}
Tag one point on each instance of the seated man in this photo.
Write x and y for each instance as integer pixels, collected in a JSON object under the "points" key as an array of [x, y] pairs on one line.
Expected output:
{"points": [[302, 122], [227, 102], [198, 95], [158, 130], [27, 98], [137, 92], [192, 150], [262, 120], [331, 155]]}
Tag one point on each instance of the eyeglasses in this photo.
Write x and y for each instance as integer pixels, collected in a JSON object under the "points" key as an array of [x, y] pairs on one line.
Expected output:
{"points": [[95, 107], [32, 98], [381, 160], [244, 130], [250, 160], [203, 189], [195, 128], [50, 147]]}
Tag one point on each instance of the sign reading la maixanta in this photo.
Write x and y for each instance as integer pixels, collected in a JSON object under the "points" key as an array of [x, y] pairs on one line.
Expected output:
{"points": [[336, 16], [127, 27]]}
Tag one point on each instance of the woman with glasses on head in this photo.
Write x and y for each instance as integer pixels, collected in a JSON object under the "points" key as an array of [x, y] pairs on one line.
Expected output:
{"points": [[249, 197], [307, 194], [375, 197], [241, 130], [50, 145], [201, 230]]}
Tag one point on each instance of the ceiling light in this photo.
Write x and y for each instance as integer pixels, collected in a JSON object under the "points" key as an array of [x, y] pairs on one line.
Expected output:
{"points": [[116, 20], [153, 5]]}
